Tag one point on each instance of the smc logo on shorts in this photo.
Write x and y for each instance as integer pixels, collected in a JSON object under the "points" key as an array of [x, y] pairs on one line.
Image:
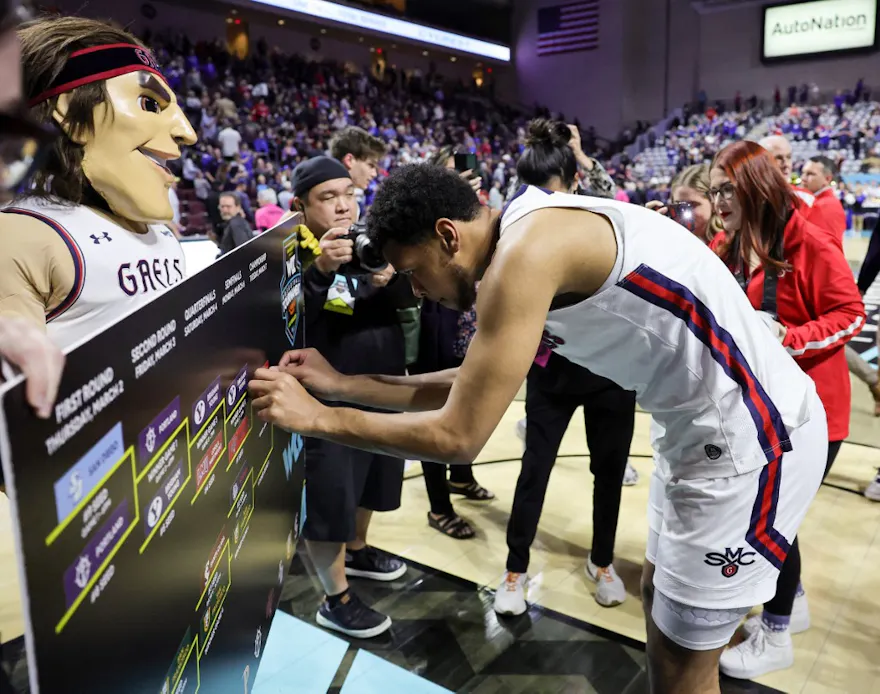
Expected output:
{"points": [[730, 561]]}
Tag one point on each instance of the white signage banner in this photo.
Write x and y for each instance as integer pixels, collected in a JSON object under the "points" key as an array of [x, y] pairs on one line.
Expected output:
{"points": [[822, 26]]}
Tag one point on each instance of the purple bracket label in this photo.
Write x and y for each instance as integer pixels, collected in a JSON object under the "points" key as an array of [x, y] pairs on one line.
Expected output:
{"points": [[84, 567], [154, 436], [237, 389], [205, 405], [159, 504]]}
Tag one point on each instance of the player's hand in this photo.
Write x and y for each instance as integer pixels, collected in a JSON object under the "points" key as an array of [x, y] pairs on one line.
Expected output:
{"points": [[778, 329], [278, 398], [28, 348], [335, 251], [310, 368], [657, 206], [383, 277], [474, 179]]}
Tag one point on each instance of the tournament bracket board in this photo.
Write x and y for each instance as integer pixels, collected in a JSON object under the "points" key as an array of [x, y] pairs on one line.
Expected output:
{"points": [[156, 516]]}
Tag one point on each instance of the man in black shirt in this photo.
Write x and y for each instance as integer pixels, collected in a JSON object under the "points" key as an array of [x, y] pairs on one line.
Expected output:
{"points": [[237, 231], [353, 321]]}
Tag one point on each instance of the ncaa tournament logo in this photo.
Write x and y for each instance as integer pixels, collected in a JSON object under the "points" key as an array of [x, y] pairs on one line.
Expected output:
{"points": [[291, 287]]}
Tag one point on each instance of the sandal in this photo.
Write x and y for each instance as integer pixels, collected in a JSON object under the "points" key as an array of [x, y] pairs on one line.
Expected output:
{"points": [[455, 527], [471, 491]]}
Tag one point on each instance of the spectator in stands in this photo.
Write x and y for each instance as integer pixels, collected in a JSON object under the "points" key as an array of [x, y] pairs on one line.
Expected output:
{"points": [[236, 231], [359, 152], [353, 322], [813, 308], [230, 141], [269, 212], [285, 197], [818, 177]]}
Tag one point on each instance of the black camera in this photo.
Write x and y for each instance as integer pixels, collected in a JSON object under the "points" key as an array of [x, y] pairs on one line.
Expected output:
{"points": [[366, 258]]}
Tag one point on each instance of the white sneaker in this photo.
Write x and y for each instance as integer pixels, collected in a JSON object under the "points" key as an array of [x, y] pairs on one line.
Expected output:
{"points": [[764, 651], [610, 590], [800, 618], [510, 597], [631, 476], [872, 491]]}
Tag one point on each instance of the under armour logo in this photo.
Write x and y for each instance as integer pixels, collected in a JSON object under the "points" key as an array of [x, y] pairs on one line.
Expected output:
{"points": [[730, 561], [103, 237]]}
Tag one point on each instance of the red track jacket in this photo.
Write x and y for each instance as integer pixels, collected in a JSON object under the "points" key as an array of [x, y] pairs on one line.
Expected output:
{"points": [[819, 304], [824, 210]]}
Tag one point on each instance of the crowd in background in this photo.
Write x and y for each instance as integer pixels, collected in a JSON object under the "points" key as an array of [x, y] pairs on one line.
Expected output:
{"points": [[259, 117]]}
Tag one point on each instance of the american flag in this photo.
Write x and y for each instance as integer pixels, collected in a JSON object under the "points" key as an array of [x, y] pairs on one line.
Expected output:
{"points": [[567, 28]]}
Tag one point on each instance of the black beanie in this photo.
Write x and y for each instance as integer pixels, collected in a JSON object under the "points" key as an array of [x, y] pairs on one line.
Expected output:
{"points": [[315, 172]]}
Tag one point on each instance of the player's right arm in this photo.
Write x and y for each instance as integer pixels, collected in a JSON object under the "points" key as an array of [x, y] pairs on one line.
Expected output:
{"points": [[396, 393]]}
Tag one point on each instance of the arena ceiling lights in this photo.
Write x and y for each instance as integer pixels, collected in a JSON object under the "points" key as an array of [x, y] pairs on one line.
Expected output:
{"points": [[393, 27]]}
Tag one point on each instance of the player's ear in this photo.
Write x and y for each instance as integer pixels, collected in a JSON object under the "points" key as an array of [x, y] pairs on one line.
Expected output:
{"points": [[448, 234]]}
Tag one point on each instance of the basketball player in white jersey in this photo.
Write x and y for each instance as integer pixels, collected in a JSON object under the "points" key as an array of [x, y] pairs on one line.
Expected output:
{"points": [[634, 297], [90, 242]]}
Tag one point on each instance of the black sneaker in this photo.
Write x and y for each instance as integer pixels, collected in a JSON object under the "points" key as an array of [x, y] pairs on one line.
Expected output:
{"points": [[352, 617], [373, 563]]}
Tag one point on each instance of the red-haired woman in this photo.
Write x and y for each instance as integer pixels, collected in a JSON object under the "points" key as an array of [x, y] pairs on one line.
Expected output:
{"points": [[798, 278]]}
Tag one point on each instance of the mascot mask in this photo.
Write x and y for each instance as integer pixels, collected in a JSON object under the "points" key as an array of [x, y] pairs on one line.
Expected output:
{"points": [[137, 129]]}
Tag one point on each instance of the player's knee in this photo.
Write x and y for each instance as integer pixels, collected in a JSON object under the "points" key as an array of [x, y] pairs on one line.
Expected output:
{"points": [[694, 628]]}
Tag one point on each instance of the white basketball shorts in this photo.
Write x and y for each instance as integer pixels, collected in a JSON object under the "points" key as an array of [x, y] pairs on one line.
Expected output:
{"points": [[719, 543]]}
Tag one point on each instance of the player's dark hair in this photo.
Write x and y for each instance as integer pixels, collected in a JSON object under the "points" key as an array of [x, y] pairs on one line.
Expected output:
{"points": [[548, 154], [413, 198], [829, 166]]}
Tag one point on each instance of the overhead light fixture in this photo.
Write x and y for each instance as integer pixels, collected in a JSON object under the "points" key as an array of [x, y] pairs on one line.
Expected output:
{"points": [[323, 31], [229, 20], [453, 58], [372, 49], [425, 53], [392, 27], [361, 39], [281, 22]]}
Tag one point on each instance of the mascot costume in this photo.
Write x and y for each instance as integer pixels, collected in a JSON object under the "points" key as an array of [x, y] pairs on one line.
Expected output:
{"points": [[88, 241]]}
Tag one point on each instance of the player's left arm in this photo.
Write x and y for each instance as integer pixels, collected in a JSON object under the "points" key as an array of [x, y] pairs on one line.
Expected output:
{"points": [[831, 291], [512, 314]]}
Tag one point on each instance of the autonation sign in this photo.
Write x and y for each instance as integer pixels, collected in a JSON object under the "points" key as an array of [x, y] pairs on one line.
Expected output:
{"points": [[823, 26]]}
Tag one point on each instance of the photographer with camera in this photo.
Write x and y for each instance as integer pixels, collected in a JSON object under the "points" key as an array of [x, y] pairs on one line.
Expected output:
{"points": [[351, 317]]}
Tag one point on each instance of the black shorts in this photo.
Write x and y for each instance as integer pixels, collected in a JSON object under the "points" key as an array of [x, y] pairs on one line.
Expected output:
{"points": [[340, 479]]}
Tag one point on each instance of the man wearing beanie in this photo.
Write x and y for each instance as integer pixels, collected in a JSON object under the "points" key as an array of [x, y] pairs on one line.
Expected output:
{"points": [[353, 322]]}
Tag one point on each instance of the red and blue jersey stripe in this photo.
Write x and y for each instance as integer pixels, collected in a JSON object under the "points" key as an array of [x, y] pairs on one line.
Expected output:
{"points": [[678, 300], [79, 265]]}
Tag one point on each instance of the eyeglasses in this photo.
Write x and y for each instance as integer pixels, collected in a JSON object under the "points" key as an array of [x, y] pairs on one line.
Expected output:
{"points": [[727, 192], [24, 145]]}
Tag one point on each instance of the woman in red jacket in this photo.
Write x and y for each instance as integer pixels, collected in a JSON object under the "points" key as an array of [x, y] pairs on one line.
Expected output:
{"points": [[798, 279]]}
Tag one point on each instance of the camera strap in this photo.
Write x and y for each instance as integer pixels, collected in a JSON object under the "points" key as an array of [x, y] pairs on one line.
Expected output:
{"points": [[771, 279]]}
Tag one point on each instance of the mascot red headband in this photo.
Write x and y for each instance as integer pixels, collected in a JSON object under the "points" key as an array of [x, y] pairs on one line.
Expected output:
{"points": [[96, 64]]}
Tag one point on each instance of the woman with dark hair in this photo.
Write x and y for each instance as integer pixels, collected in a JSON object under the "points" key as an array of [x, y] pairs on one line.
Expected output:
{"points": [[555, 388], [801, 284]]}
